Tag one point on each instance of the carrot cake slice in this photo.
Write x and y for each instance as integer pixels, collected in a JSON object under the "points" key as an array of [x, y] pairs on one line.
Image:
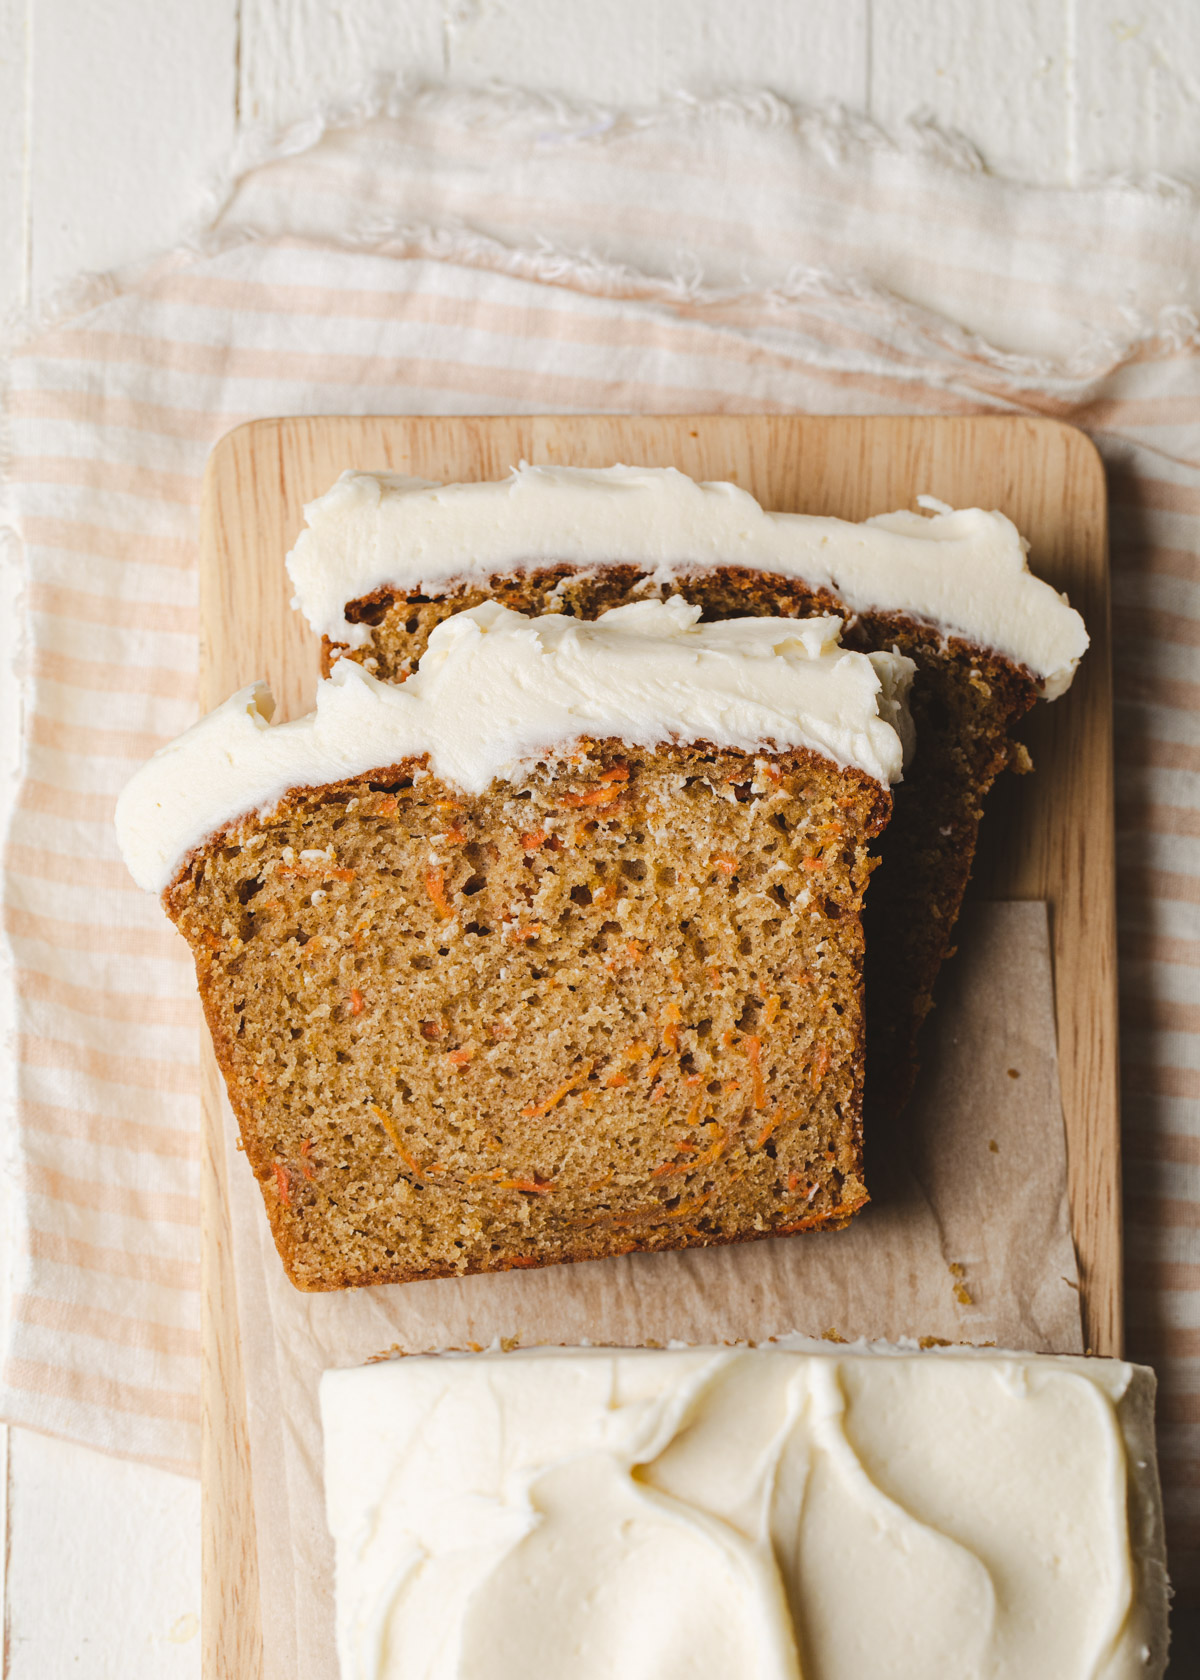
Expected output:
{"points": [[746, 1514], [385, 558], [550, 953]]}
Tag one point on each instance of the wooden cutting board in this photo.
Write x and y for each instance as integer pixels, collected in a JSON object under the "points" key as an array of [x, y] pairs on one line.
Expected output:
{"points": [[1048, 836]]}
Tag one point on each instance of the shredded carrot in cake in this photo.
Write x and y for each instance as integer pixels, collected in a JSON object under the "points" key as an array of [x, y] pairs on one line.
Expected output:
{"points": [[820, 1067], [618, 773], [753, 1053], [435, 886], [523, 935], [652, 1070], [500, 1178], [534, 840], [356, 1001], [726, 864], [816, 864], [771, 1010], [305, 1149], [636, 1051], [670, 1035], [615, 1080], [793, 1182], [283, 1184], [714, 976], [387, 806], [659, 1092], [460, 1058], [770, 1126], [598, 796], [535, 1110], [454, 836], [634, 951], [389, 1126]]}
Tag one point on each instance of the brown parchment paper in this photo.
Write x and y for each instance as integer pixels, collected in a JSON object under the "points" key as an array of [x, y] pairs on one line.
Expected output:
{"points": [[967, 1238]]}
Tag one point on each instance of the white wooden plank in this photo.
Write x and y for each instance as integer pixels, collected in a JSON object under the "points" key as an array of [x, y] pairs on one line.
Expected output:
{"points": [[104, 1571], [1136, 87], [133, 113], [633, 52], [993, 70], [14, 79], [300, 55]]}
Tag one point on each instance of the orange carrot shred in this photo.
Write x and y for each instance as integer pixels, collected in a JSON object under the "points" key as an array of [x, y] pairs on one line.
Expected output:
{"points": [[793, 1182], [305, 1150], [815, 864], [460, 1058], [535, 839], [356, 1001], [283, 1184], [598, 796], [534, 1111], [615, 1080], [770, 1126], [820, 1067], [771, 1010], [753, 1053], [726, 864], [454, 836], [389, 1126], [435, 886]]}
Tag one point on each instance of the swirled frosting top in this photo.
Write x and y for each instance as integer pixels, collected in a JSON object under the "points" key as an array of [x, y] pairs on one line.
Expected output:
{"points": [[963, 571], [726, 1514], [496, 690]]}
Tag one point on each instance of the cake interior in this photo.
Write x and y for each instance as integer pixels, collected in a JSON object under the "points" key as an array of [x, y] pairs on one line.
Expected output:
{"points": [[965, 703], [615, 1004]]}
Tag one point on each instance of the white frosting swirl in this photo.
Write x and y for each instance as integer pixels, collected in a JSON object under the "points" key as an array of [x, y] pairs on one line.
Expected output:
{"points": [[724, 1514], [495, 690], [963, 571]]}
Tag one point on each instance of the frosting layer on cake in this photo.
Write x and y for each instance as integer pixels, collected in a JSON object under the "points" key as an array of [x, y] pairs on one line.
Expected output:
{"points": [[719, 1513], [964, 571], [496, 690]]}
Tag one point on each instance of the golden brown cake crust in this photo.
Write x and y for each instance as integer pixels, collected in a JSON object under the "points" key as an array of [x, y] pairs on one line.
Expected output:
{"points": [[615, 1006], [965, 703]]}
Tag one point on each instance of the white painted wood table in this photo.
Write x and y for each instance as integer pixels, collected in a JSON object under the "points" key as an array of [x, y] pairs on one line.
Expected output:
{"points": [[114, 121]]}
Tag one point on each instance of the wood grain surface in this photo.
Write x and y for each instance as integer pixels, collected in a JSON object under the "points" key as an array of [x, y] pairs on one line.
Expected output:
{"points": [[1048, 836]]}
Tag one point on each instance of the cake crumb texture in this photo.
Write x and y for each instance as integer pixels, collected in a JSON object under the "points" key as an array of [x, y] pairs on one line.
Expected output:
{"points": [[612, 1005], [965, 703]]}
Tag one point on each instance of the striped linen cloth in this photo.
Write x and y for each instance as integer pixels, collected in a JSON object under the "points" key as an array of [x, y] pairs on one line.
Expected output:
{"points": [[489, 254]]}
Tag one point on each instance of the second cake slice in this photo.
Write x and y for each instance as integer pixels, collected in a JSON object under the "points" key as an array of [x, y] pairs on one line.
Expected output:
{"points": [[551, 953]]}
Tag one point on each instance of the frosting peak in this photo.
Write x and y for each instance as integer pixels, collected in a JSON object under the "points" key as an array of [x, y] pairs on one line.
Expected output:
{"points": [[964, 571]]}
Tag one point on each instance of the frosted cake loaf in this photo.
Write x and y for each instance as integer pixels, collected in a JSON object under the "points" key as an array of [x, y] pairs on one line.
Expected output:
{"points": [[384, 558], [550, 953]]}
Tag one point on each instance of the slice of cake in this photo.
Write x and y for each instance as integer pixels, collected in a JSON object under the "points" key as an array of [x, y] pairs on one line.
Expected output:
{"points": [[385, 558], [551, 953], [720, 1513]]}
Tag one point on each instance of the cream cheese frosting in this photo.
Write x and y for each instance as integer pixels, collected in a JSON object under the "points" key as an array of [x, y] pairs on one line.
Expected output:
{"points": [[495, 690], [797, 1513], [964, 571]]}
